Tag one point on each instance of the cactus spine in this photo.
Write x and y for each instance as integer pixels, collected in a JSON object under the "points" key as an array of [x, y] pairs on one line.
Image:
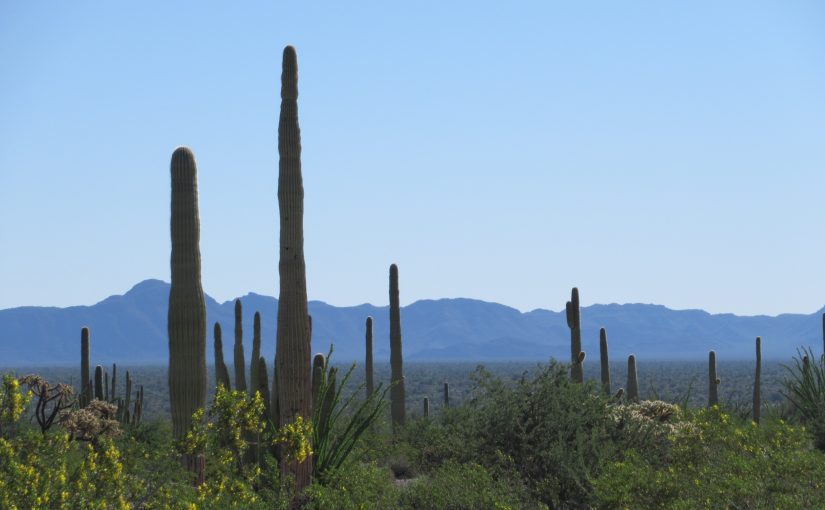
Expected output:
{"points": [[632, 380], [240, 369], [221, 372], [85, 378], [256, 353], [574, 323], [370, 380], [757, 383], [292, 350], [187, 310], [604, 361], [397, 393], [99, 382], [713, 381]]}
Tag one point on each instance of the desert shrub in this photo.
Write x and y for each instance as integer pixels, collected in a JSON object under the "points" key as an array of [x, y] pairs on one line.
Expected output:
{"points": [[718, 462], [456, 486], [358, 486], [554, 433]]}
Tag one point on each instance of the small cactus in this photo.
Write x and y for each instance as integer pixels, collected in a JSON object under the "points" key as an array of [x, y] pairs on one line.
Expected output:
{"points": [[632, 380], [605, 363], [757, 383], [85, 377], [574, 323], [368, 364], [713, 380]]}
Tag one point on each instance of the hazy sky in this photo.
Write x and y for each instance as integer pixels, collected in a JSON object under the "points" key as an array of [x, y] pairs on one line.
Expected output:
{"points": [[657, 152]]}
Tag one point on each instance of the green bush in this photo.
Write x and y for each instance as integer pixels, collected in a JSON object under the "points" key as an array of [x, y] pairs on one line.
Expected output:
{"points": [[456, 486], [717, 462], [356, 487]]}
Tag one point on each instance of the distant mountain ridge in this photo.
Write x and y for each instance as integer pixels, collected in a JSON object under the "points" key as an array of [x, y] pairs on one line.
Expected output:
{"points": [[132, 329]]}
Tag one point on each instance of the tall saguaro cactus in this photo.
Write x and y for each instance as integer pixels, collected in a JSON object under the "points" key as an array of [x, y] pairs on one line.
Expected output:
{"points": [[574, 323], [240, 370], [713, 380], [254, 363], [85, 376], [632, 380], [221, 372], [605, 362], [187, 309], [397, 393], [293, 341], [368, 364], [757, 383]]}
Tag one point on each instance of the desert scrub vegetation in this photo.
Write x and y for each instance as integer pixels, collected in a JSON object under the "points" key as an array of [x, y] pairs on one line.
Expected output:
{"points": [[541, 441]]}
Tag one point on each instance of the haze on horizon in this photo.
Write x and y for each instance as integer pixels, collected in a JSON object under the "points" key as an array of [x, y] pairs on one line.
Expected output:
{"points": [[667, 154]]}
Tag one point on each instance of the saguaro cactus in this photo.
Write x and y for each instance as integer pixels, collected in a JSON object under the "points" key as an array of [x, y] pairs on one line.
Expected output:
{"points": [[713, 380], [574, 323], [426, 407], [113, 393], [85, 377], [292, 345], [240, 369], [757, 383], [187, 310], [99, 382], [221, 372], [446, 394], [632, 380], [368, 364], [256, 353], [397, 393], [319, 366], [604, 361]]}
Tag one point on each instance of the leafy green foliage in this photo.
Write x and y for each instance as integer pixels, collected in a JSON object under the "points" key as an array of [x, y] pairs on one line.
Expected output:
{"points": [[339, 423], [714, 461], [805, 389]]}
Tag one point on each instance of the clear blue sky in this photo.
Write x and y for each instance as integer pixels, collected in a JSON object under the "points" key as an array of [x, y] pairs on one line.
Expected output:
{"points": [[658, 152]]}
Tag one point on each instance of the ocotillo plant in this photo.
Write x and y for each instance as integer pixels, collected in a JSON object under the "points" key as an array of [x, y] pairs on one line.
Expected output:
{"points": [[240, 369], [256, 353], [397, 393], [757, 383], [221, 372], [574, 323], [368, 364], [713, 381], [446, 394], [99, 382], [605, 362], [85, 377], [292, 349], [632, 380], [187, 310]]}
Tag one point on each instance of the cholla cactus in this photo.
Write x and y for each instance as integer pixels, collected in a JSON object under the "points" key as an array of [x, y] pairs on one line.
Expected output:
{"points": [[50, 400], [93, 422]]}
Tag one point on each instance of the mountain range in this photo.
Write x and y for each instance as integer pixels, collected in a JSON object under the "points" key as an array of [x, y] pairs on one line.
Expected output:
{"points": [[131, 328]]}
